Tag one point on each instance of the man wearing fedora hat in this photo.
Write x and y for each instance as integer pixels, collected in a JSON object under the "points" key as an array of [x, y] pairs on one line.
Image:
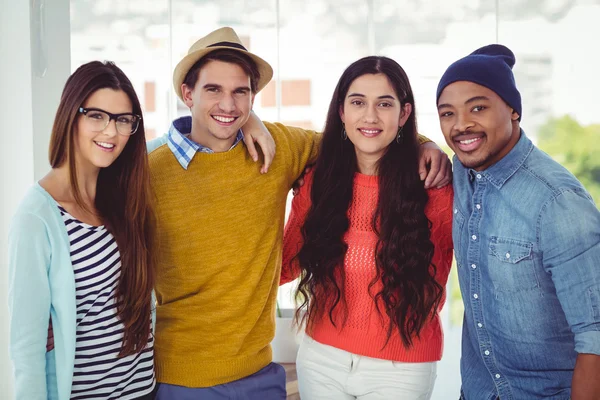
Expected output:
{"points": [[220, 223]]}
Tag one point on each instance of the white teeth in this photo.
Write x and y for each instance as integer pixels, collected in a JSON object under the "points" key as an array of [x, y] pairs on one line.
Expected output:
{"points": [[223, 119], [105, 145], [370, 132], [469, 141]]}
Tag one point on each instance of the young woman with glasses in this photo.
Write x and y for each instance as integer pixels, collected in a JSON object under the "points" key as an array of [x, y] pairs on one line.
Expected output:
{"points": [[80, 251]]}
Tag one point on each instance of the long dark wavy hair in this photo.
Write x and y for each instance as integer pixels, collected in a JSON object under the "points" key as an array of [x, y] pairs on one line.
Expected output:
{"points": [[123, 196], [410, 294]]}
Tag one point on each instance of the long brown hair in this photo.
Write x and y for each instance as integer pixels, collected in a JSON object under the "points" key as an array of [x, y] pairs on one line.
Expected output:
{"points": [[410, 294], [123, 196]]}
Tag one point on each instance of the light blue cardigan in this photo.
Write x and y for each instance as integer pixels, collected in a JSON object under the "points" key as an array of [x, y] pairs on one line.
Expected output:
{"points": [[41, 284]]}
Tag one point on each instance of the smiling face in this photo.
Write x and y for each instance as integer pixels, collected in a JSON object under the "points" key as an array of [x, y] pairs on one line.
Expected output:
{"points": [[220, 103], [477, 124], [93, 149], [372, 114]]}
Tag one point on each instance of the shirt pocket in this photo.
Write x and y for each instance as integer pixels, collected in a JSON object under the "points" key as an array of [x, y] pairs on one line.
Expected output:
{"points": [[511, 265]]}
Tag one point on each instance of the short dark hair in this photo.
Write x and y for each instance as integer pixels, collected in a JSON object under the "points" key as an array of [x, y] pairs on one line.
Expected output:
{"points": [[228, 56]]}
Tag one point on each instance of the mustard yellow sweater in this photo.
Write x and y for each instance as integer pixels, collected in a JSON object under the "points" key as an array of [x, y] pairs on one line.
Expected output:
{"points": [[220, 244]]}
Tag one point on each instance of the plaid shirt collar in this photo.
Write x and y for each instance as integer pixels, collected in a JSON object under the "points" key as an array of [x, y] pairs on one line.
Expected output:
{"points": [[183, 147]]}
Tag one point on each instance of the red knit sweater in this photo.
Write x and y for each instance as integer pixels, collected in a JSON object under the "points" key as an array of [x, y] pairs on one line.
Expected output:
{"points": [[365, 331]]}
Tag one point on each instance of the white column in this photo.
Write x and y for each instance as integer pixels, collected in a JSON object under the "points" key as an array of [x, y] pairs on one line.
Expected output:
{"points": [[34, 65]]}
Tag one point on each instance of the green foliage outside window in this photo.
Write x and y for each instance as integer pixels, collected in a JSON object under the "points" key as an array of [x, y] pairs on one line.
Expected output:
{"points": [[576, 147]]}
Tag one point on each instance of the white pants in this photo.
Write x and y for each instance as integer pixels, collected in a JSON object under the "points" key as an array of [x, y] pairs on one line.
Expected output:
{"points": [[328, 373]]}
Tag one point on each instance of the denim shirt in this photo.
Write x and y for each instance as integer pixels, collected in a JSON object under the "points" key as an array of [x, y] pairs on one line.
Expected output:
{"points": [[527, 242]]}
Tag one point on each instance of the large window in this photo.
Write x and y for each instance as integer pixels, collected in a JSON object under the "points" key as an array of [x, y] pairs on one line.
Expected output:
{"points": [[136, 36], [309, 43]]}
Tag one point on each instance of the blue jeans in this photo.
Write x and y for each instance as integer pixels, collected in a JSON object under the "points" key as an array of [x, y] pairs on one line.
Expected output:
{"points": [[268, 383]]}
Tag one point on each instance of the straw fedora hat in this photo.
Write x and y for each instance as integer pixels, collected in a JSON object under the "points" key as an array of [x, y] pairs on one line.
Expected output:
{"points": [[223, 38]]}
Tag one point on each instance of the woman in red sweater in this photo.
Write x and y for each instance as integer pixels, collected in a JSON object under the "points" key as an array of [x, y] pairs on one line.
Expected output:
{"points": [[372, 247]]}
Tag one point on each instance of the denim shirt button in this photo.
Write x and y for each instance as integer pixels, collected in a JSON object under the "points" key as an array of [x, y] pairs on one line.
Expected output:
{"points": [[487, 352], [476, 296], [480, 325], [478, 206], [474, 237], [478, 176], [473, 266], [507, 255], [497, 376], [456, 211]]}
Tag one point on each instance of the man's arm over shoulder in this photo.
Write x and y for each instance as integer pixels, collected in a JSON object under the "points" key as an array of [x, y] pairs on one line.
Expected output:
{"points": [[423, 139], [297, 147]]}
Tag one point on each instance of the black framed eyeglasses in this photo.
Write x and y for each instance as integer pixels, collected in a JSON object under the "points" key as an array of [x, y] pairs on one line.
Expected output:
{"points": [[97, 119]]}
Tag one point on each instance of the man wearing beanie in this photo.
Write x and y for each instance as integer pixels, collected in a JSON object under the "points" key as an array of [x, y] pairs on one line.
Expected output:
{"points": [[220, 227], [527, 243]]}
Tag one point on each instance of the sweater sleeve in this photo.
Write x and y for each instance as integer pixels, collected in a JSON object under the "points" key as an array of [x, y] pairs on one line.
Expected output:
{"points": [[439, 212], [29, 304], [423, 139], [292, 235], [298, 146]]}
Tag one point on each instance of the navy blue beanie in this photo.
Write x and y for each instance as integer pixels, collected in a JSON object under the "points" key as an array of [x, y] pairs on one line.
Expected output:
{"points": [[489, 66]]}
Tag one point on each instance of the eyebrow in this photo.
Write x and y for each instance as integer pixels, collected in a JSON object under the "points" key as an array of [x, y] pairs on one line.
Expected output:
{"points": [[107, 112], [385, 96], [471, 100], [215, 86], [477, 98]]}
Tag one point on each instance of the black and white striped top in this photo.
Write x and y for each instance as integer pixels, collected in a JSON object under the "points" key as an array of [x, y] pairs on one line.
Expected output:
{"points": [[98, 373]]}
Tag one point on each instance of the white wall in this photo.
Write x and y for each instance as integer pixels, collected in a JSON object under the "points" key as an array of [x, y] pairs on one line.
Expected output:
{"points": [[29, 93]]}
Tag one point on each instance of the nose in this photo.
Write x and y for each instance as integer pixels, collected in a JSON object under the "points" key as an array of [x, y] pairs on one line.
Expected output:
{"points": [[463, 122], [227, 103], [111, 128], [370, 116]]}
